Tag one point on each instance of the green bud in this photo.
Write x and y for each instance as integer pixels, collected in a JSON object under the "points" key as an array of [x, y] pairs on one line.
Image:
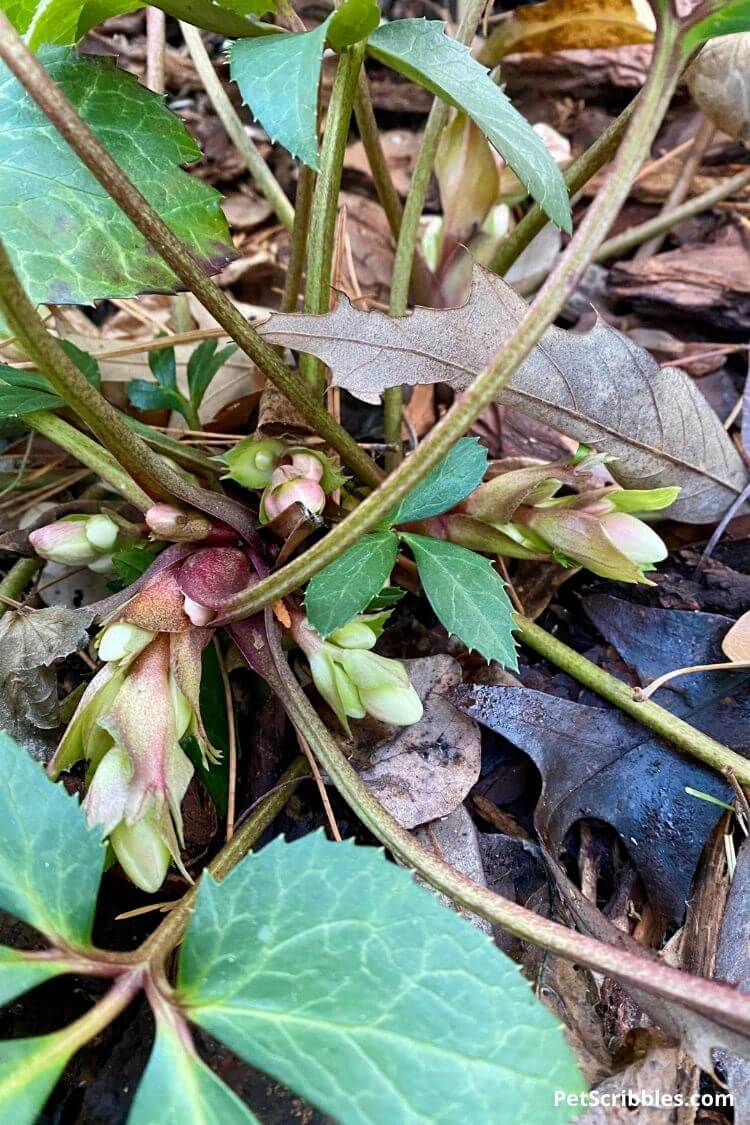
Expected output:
{"points": [[142, 853], [252, 461], [102, 532], [122, 641]]}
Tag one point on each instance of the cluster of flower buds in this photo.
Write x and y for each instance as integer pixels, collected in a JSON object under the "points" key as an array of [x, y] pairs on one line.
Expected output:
{"points": [[518, 514], [78, 540], [287, 474], [133, 716], [352, 679]]}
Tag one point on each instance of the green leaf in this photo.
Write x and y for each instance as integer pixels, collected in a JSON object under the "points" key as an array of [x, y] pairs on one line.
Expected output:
{"points": [[388, 597], [278, 78], [86, 364], [728, 19], [328, 967], [19, 973], [16, 401], [467, 595], [349, 584], [163, 367], [451, 481], [131, 562], [45, 21], [213, 707], [205, 361], [150, 396], [29, 1069], [352, 22], [50, 862], [421, 51], [177, 1088], [68, 240]]}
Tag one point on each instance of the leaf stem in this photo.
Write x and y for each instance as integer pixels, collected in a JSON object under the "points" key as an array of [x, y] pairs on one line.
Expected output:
{"points": [[562, 282], [322, 231], [262, 176], [656, 718], [660, 224], [577, 175], [16, 580], [63, 115], [409, 231], [715, 1000], [298, 248]]}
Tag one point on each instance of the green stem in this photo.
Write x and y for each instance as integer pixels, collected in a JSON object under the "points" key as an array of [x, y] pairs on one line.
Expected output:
{"points": [[63, 115], [90, 454], [321, 238], [169, 934], [562, 282], [13, 584], [644, 973], [263, 177], [298, 247], [656, 718], [409, 232], [577, 176], [635, 236]]}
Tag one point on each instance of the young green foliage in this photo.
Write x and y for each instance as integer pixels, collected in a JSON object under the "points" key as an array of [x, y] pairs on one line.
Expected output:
{"points": [[18, 974], [464, 590], [203, 364], [29, 1070], [729, 18], [365, 995], [420, 50], [50, 862], [80, 247]]}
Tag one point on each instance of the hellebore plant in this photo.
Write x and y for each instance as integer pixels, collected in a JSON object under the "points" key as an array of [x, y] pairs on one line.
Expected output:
{"points": [[518, 514], [286, 474], [78, 540], [353, 680]]}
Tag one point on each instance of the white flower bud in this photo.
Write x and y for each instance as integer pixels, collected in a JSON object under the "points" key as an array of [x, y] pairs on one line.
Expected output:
{"points": [[122, 640]]}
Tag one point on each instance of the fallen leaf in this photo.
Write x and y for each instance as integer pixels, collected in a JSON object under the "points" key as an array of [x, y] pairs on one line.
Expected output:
{"points": [[30, 642], [597, 387], [733, 965], [455, 840], [560, 24], [424, 771], [598, 763], [736, 643]]}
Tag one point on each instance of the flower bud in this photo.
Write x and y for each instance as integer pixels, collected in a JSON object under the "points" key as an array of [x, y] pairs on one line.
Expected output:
{"points": [[355, 634], [252, 461], [199, 614], [64, 541], [467, 178], [286, 488], [308, 466], [634, 538], [101, 532], [142, 853], [122, 641], [168, 522], [383, 687]]}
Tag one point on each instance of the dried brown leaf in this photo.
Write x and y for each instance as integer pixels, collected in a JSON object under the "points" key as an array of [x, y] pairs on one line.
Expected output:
{"points": [[560, 24], [598, 387], [719, 81]]}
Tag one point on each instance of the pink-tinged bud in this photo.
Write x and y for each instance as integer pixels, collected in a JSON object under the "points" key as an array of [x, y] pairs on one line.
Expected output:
{"points": [[199, 615], [307, 465], [467, 178], [212, 576], [64, 541], [107, 797], [142, 853], [168, 522], [283, 492], [634, 538]]}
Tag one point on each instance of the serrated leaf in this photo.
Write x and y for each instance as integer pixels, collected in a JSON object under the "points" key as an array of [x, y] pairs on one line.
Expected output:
{"points": [[420, 50], [163, 367], [50, 862], [178, 1088], [150, 396], [348, 585], [205, 361], [730, 18], [598, 387], [86, 363], [19, 973], [388, 597], [278, 78], [328, 967], [467, 595], [29, 1069], [68, 240], [557, 25], [352, 22], [451, 481], [131, 562]]}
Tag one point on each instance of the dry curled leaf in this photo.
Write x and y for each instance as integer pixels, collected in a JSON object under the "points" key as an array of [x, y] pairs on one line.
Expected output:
{"points": [[598, 387], [719, 81], [560, 24], [30, 642], [736, 643]]}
